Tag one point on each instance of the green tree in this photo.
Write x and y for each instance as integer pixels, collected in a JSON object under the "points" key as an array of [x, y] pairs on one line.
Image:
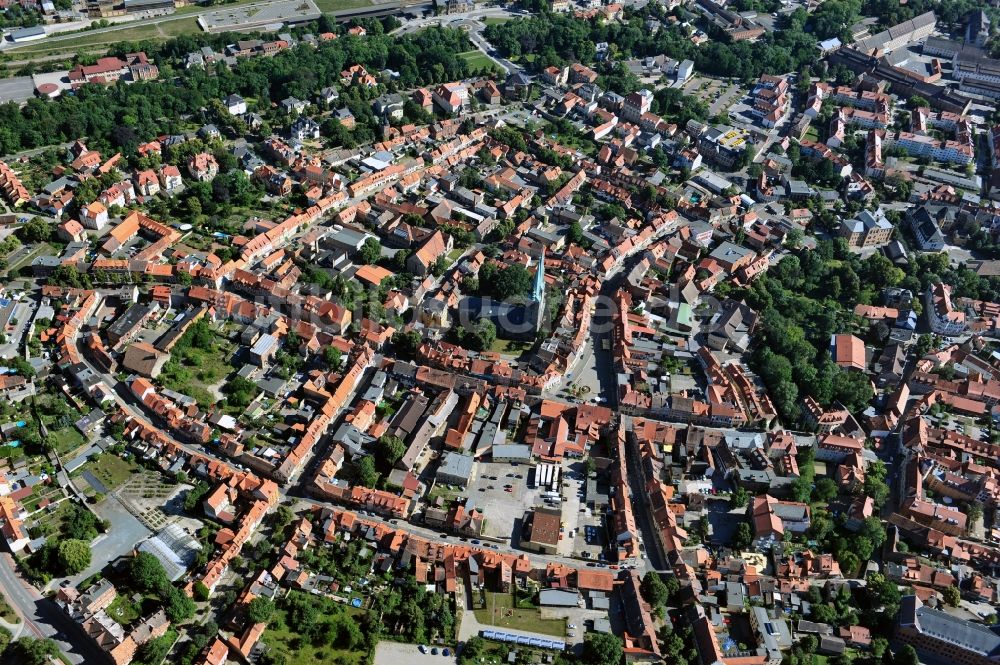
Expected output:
{"points": [[407, 343], [154, 651], [147, 573], [849, 563], [332, 356], [32, 651], [80, 523], [879, 646], [826, 490], [951, 595], [35, 230], [479, 336], [907, 656], [201, 591], [73, 556], [365, 471], [653, 590], [473, 650], [176, 604], [389, 449], [603, 649], [260, 610], [370, 251], [575, 233], [739, 498], [504, 282], [973, 512], [743, 537]]}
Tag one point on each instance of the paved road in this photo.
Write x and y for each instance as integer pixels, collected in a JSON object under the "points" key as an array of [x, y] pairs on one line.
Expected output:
{"points": [[43, 619]]}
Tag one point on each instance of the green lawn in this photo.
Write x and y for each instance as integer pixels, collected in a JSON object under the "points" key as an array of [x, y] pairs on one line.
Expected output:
{"points": [[499, 612], [510, 347], [123, 611], [440, 490], [476, 59], [127, 32], [66, 440], [327, 6], [7, 612], [111, 470], [494, 20], [298, 651]]}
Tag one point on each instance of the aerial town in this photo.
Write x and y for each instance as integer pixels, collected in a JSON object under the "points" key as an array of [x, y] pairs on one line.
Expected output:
{"points": [[554, 332]]}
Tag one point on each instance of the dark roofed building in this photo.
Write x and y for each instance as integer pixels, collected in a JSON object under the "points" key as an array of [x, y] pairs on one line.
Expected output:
{"points": [[944, 637], [541, 531]]}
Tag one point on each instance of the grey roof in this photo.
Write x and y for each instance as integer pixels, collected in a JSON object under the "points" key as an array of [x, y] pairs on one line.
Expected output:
{"points": [[24, 33], [175, 548], [456, 465], [558, 597], [965, 635], [512, 450]]}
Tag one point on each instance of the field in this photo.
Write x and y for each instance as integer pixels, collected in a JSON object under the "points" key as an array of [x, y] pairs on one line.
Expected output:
{"points": [[128, 32], [297, 651], [476, 59], [494, 20], [499, 612]]}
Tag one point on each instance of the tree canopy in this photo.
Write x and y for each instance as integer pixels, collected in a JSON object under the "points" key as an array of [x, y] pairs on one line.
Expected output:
{"points": [[73, 556], [147, 573], [603, 649]]}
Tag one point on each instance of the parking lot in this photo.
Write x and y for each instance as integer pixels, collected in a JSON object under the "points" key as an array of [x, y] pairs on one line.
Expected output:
{"points": [[502, 496], [393, 653], [717, 93], [589, 537], [256, 16]]}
